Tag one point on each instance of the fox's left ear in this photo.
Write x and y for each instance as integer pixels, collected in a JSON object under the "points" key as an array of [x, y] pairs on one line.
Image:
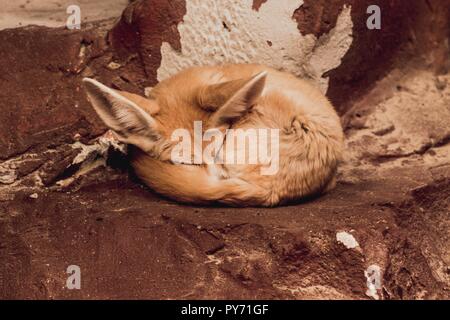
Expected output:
{"points": [[230, 100], [132, 123]]}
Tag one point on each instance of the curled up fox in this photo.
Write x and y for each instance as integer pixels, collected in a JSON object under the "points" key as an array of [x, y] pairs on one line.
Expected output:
{"points": [[301, 161]]}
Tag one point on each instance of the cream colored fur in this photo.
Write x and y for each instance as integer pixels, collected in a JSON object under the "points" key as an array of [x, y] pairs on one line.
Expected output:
{"points": [[229, 96]]}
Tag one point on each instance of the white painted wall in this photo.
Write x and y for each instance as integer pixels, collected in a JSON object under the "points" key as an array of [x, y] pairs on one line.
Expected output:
{"points": [[204, 39]]}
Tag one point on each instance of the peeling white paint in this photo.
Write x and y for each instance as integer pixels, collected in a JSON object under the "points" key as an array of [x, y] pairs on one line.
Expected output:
{"points": [[8, 168], [86, 151], [373, 276], [8, 190], [230, 31], [7, 175], [85, 169], [92, 156], [331, 48], [100, 148], [89, 158], [347, 239]]}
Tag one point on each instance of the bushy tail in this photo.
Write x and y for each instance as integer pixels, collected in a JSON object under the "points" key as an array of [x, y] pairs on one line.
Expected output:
{"points": [[193, 184]]}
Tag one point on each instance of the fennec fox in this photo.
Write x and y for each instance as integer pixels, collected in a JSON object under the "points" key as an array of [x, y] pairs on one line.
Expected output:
{"points": [[235, 96]]}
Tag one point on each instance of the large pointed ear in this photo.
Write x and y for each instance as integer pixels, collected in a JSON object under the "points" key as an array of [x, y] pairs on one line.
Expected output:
{"points": [[120, 113], [230, 100]]}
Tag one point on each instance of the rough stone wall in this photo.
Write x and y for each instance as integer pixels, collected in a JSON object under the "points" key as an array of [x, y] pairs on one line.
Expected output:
{"points": [[66, 196], [232, 31]]}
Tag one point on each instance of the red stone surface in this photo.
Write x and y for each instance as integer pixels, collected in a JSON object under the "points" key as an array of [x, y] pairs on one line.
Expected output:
{"points": [[130, 243]]}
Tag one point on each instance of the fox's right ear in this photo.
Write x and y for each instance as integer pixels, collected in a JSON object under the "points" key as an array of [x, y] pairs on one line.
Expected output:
{"points": [[132, 123], [230, 100]]}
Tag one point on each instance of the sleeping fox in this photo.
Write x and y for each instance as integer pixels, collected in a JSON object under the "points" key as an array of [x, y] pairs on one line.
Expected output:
{"points": [[224, 98]]}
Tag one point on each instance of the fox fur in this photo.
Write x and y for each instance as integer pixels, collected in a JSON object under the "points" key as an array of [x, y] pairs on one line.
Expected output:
{"points": [[238, 96]]}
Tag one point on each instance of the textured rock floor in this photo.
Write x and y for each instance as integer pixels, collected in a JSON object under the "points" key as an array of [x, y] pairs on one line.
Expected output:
{"points": [[132, 244]]}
